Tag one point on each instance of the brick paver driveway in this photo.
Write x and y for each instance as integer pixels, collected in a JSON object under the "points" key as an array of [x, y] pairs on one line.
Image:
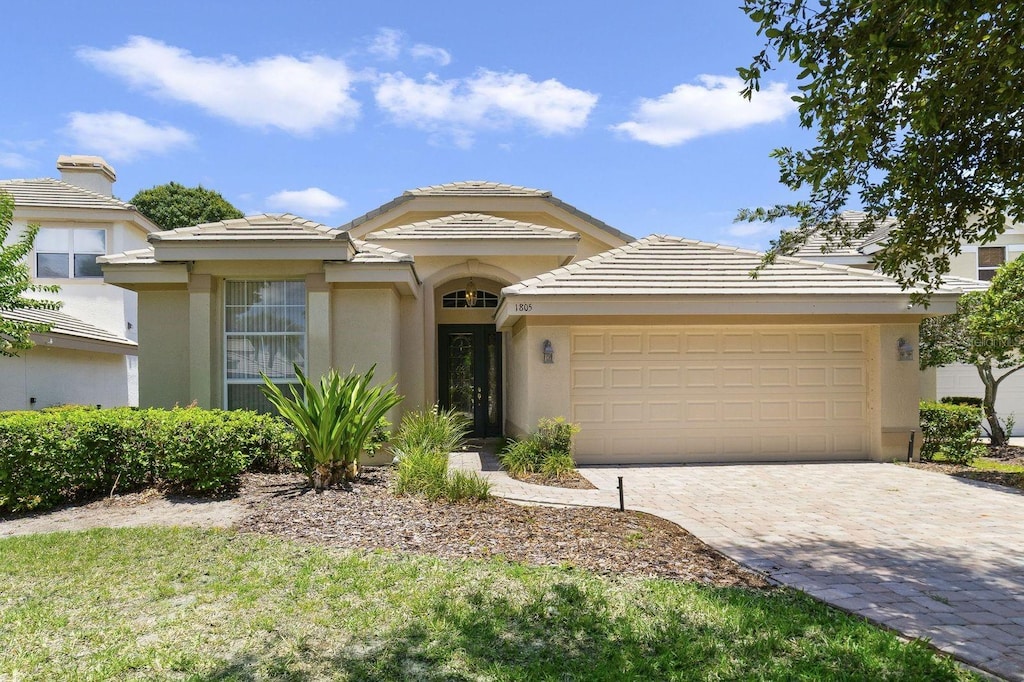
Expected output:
{"points": [[929, 555]]}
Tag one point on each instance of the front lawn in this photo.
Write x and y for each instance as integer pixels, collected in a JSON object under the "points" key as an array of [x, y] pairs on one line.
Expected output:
{"points": [[189, 604]]}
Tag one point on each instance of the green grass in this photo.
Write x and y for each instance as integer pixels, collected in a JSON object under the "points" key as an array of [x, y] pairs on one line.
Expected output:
{"points": [[985, 464], [212, 605]]}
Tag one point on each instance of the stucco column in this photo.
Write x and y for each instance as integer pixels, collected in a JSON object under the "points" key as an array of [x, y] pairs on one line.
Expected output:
{"points": [[200, 339], [318, 325]]}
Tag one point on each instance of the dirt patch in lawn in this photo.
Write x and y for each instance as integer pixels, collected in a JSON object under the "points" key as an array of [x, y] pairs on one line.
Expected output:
{"points": [[370, 516]]}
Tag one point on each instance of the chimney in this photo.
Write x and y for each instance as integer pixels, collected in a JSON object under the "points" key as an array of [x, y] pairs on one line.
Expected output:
{"points": [[88, 172]]}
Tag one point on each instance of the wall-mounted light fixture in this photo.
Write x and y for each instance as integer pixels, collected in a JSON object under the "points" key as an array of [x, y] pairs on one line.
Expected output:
{"points": [[470, 294], [904, 350], [549, 352]]}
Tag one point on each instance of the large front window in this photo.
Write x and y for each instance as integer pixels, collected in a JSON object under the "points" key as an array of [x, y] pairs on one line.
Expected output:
{"points": [[63, 253], [265, 333]]}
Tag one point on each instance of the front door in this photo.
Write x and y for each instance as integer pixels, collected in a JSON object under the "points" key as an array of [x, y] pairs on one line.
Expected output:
{"points": [[469, 374]]}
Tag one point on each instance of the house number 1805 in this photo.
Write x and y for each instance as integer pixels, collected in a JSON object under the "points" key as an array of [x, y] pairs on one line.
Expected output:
{"points": [[524, 307]]}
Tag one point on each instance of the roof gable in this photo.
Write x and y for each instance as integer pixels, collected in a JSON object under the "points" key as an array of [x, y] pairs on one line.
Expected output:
{"points": [[485, 197], [471, 226]]}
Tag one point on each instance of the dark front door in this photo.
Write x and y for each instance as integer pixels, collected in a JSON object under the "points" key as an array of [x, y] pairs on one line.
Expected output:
{"points": [[469, 374]]}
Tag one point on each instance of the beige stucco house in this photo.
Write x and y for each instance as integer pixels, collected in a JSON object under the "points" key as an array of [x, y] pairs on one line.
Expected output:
{"points": [[512, 305], [90, 354], [971, 269]]}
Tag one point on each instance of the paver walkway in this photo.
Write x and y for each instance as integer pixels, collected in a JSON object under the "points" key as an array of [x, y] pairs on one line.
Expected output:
{"points": [[929, 555]]}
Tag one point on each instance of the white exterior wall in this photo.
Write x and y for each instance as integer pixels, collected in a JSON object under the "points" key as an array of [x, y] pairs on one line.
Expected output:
{"points": [[108, 379], [59, 376]]}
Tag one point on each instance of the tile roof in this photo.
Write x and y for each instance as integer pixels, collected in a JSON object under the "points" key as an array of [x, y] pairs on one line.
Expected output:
{"points": [[471, 226], [145, 255], [473, 188], [67, 325], [51, 193], [266, 226], [662, 264], [374, 253], [965, 283], [817, 245]]}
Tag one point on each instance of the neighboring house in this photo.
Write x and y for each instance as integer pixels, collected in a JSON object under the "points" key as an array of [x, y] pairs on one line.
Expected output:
{"points": [[511, 305], [90, 354], [970, 270]]}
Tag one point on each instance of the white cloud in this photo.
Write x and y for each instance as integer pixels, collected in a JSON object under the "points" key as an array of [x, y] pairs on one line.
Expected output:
{"points": [[295, 95], [423, 51], [713, 106], [488, 100], [306, 202], [122, 137], [14, 161], [387, 43]]}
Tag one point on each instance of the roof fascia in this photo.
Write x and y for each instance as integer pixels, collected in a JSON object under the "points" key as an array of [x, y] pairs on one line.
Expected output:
{"points": [[74, 342], [402, 275], [248, 249], [516, 306]]}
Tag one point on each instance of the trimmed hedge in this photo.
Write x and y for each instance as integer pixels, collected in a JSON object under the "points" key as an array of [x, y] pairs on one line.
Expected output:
{"points": [[951, 430], [961, 400], [48, 458]]}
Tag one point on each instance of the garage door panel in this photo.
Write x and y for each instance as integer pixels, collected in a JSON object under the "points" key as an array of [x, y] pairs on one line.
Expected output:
{"points": [[673, 394]]}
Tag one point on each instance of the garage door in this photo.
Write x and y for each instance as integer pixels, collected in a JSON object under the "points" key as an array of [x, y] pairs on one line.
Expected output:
{"points": [[719, 394], [963, 380]]}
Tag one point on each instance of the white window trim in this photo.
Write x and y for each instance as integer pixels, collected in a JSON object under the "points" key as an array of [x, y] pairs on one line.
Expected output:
{"points": [[293, 381]]}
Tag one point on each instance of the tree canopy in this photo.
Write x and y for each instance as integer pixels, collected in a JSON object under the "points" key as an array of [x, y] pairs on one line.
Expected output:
{"points": [[173, 205], [986, 331], [919, 116], [15, 282]]}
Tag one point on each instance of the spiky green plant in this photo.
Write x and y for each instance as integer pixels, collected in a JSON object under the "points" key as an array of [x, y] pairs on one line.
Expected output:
{"points": [[335, 419]]}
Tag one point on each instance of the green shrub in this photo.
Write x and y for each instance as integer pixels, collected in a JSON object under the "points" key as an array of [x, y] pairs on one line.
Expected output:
{"points": [[421, 448], [961, 400], [47, 458], [521, 457], [335, 418], [422, 472], [547, 452], [950, 430], [467, 485], [433, 429], [557, 465]]}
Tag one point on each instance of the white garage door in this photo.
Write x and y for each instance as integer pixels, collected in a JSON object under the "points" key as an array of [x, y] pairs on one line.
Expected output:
{"points": [[963, 380], [701, 394]]}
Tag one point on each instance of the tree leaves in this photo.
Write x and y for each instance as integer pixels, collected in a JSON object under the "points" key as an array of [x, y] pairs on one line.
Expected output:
{"points": [[173, 205], [918, 115], [15, 282]]}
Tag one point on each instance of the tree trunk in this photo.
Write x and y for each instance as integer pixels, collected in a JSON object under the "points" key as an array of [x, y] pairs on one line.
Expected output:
{"points": [[988, 404], [329, 475]]}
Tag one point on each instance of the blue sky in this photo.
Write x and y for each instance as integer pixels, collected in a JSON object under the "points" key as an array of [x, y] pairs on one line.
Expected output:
{"points": [[629, 111]]}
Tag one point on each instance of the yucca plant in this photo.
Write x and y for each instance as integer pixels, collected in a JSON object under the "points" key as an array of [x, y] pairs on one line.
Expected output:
{"points": [[335, 419]]}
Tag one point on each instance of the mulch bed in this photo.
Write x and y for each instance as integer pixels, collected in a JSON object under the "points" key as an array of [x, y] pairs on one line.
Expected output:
{"points": [[369, 516], [571, 480]]}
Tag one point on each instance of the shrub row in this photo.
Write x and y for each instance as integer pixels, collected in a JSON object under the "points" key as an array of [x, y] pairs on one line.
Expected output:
{"points": [[952, 431], [47, 458]]}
